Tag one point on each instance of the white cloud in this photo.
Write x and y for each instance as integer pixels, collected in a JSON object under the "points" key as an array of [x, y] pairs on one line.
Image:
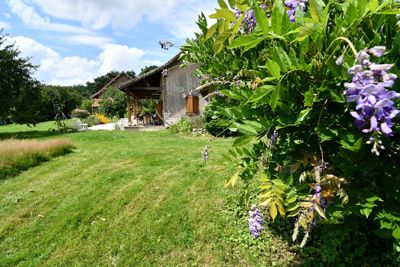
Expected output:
{"points": [[119, 57], [88, 40], [31, 18], [55, 69], [4, 25], [177, 16]]}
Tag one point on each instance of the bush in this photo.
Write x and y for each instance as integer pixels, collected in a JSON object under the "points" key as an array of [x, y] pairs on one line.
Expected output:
{"points": [[92, 120], [316, 101], [184, 125], [214, 118], [19, 155], [80, 113]]}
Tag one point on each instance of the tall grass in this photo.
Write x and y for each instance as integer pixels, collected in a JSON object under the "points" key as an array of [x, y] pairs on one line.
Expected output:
{"points": [[18, 155]]}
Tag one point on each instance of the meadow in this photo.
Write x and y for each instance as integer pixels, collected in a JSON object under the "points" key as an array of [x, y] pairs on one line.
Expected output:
{"points": [[120, 199]]}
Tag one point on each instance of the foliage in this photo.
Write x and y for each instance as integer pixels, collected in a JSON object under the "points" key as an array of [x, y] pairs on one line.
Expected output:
{"points": [[57, 100], [113, 103], [92, 120], [287, 76], [19, 155], [80, 113], [149, 106], [184, 125], [215, 117], [147, 69], [87, 104], [20, 93]]}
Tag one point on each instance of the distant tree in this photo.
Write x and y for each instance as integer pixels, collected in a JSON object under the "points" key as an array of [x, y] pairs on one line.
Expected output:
{"points": [[19, 93], [113, 103], [147, 69], [58, 99], [99, 82], [87, 104], [131, 73]]}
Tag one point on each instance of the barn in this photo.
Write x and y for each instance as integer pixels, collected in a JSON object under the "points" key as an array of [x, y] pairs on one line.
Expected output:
{"points": [[174, 88]]}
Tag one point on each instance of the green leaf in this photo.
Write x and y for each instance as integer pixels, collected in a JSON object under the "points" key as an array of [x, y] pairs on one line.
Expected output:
{"points": [[273, 212], [243, 140], [261, 18], [277, 16], [223, 13], [273, 68], [309, 98], [260, 92], [315, 7], [306, 30], [232, 181], [232, 3], [222, 4], [352, 147], [211, 30], [303, 115], [246, 129], [246, 40], [396, 232], [275, 97], [373, 5]]}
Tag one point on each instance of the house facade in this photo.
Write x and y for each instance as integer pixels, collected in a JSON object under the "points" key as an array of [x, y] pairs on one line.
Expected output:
{"points": [[173, 86]]}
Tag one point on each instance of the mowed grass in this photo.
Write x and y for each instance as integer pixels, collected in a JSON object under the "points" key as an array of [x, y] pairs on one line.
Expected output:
{"points": [[18, 155], [119, 199]]}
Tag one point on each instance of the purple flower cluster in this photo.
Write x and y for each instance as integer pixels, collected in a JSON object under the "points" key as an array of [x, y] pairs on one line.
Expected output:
{"points": [[204, 154], [273, 139], [255, 221], [249, 21], [292, 5], [375, 108]]}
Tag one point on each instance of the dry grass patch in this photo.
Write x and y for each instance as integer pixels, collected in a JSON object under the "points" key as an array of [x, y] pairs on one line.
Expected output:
{"points": [[18, 155]]}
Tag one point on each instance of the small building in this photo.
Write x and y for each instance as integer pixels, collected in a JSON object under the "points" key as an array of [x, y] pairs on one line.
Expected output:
{"points": [[172, 85], [115, 82]]}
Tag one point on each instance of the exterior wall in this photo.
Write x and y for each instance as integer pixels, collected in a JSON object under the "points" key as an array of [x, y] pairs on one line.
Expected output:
{"points": [[178, 84]]}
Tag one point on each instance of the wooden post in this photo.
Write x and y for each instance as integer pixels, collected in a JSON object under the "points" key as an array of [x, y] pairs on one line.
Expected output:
{"points": [[128, 106], [135, 109]]}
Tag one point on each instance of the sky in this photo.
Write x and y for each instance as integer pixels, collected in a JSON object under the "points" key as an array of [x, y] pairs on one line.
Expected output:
{"points": [[74, 41]]}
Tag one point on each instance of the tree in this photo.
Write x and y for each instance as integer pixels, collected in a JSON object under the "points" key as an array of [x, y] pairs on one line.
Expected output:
{"points": [[64, 98], [147, 69], [113, 103], [19, 93]]}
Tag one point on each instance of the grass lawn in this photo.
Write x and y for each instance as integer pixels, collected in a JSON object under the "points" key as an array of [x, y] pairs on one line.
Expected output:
{"points": [[119, 199]]}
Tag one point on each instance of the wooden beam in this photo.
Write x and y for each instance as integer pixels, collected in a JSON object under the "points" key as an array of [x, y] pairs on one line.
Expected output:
{"points": [[128, 107], [144, 88], [147, 83]]}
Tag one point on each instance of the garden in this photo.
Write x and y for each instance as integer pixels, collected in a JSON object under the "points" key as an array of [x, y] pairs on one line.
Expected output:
{"points": [[296, 164]]}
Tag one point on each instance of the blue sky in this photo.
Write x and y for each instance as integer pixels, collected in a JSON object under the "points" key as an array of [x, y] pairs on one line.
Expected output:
{"points": [[74, 41]]}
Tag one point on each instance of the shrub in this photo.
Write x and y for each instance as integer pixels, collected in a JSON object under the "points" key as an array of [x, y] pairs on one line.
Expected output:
{"points": [[80, 113], [19, 155], [295, 71], [92, 120], [184, 125]]}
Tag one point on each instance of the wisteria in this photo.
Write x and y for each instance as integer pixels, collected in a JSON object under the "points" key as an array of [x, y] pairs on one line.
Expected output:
{"points": [[292, 5], [255, 221], [249, 20], [204, 154], [374, 106]]}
